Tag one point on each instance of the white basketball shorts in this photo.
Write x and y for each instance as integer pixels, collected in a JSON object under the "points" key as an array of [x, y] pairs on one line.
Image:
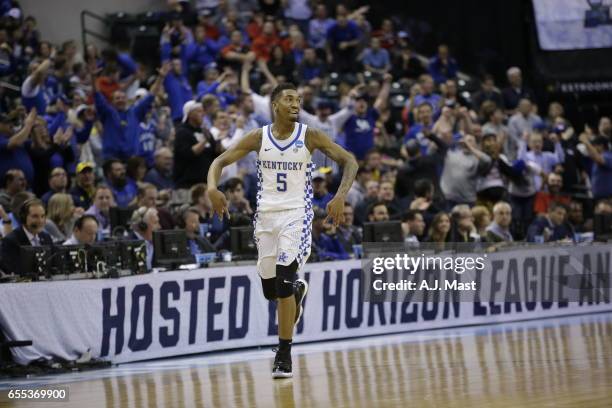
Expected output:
{"points": [[282, 237]]}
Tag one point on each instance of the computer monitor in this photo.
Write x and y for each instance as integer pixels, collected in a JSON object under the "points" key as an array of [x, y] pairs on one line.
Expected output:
{"points": [[385, 231], [69, 259], [170, 249], [602, 227], [242, 243], [119, 220], [133, 256], [35, 261], [103, 256]]}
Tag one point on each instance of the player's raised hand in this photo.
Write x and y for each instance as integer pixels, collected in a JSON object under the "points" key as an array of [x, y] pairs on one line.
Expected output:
{"points": [[335, 211], [219, 203]]}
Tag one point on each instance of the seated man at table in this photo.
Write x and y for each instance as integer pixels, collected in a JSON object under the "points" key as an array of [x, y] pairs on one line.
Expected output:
{"points": [[32, 217], [197, 244], [144, 222], [84, 232]]}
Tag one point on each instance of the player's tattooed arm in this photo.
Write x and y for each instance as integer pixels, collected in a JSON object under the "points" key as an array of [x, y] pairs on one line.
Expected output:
{"points": [[315, 139], [251, 142]]}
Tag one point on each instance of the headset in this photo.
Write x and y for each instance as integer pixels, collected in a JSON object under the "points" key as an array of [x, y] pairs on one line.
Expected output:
{"points": [[25, 209], [138, 219]]}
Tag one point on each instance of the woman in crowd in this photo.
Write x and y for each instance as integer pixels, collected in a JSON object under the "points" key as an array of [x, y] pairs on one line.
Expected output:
{"points": [[439, 230], [61, 215], [482, 219], [45, 50], [281, 65], [136, 169], [92, 56]]}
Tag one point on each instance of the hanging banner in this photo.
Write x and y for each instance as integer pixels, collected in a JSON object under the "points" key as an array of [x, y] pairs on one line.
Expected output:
{"points": [[573, 24]]}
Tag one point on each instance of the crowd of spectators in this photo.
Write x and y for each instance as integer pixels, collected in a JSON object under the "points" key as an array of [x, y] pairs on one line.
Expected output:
{"points": [[87, 132]]}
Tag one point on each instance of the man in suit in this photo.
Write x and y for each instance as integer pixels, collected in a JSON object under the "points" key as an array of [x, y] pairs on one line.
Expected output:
{"points": [[32, 217], [552, 226], [197, 244], [515, 90], [348, 233], [499, 230]]}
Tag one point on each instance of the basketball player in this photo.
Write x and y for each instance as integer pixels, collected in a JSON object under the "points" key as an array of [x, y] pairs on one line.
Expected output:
{"points": [[283, 220]]}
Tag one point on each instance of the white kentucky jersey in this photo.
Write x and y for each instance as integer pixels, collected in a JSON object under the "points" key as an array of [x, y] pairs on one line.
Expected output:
{"points": [[284, 171]]}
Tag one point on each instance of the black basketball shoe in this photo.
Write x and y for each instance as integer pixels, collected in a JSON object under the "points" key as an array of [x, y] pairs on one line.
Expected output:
{"points": [[282, 364], [301, 288]]}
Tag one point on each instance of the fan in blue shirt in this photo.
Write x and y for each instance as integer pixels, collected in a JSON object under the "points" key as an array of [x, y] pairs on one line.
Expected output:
{"points": [[318, 27], [202, 51], [33, 89], [343, 30], [342, 39], [124, 189], [13, 147], [176, 40], [147, 140], [161, 173], [359, 128], [443, 66], [375, 58], [325, 240], [122, 122], [427, 95], [178, 89], [601, 172], [59, 120], [423, 126], [127, 65], [216, 84], [319, 189]]}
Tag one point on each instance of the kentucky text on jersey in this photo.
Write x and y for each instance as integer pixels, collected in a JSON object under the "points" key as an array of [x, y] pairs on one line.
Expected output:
{"points": [[281, 165], [284, 171]]}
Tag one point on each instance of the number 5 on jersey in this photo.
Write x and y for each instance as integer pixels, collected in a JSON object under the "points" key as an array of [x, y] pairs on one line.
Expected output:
{"points": [[281, 182]]}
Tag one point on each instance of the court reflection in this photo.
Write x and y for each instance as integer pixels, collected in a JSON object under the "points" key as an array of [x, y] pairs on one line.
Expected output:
{"points": [[511, 365]]}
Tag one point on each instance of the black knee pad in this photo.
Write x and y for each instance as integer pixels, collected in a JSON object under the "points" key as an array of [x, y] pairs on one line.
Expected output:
{"points": [[285, 278], [269, 288]]}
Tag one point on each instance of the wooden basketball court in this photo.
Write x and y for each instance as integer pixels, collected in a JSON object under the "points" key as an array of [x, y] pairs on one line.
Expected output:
{"points": [[564, 362]]}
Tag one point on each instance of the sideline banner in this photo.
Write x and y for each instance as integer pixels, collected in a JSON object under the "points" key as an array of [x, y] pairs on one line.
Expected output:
{"points": [[177, 313]]}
